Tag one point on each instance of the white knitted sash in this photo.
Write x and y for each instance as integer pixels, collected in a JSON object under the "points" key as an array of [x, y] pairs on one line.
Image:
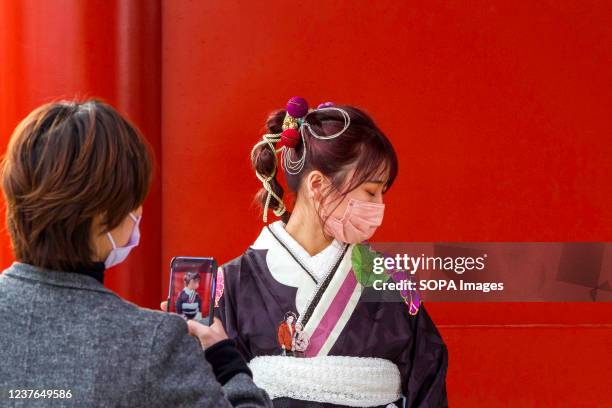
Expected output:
{"points": [[343, 380]]}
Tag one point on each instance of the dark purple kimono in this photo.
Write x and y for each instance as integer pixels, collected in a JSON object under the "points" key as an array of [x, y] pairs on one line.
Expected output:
{"points": [[262, 289]]}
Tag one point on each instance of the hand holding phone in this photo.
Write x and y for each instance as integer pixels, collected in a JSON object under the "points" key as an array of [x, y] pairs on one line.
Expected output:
{"points": [[208, 335]]}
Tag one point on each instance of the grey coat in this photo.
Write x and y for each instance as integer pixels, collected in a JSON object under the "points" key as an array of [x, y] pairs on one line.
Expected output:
{"points": [[65, 331]]}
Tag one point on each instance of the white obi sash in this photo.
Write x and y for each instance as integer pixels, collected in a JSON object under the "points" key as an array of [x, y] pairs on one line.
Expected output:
{"points": [[342, 380]]}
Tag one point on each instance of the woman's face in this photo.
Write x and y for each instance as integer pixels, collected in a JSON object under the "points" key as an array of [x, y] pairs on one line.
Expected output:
{"points": [[370, 191], [193, 284]]}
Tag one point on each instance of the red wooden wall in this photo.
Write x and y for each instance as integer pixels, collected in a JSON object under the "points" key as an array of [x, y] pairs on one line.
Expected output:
{"points": [[63, 49], [499, 112]]}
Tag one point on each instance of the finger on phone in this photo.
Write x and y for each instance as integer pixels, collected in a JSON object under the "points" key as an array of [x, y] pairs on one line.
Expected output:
{"points": [[195, 328], [164, 306]]}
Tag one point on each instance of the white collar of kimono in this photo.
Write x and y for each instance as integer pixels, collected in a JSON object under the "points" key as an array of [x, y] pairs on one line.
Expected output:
{"points": [[286, 270], [319, 263]]}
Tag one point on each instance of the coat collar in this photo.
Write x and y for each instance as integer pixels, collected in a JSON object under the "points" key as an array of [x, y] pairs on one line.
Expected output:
{"points": [[27, 272]]}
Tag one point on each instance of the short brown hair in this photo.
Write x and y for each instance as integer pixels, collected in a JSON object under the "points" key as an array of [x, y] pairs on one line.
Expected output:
{"points": [[66, 163]]}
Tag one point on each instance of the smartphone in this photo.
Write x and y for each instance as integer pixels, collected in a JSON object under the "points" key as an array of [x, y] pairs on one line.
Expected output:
{"points": [[192, 288]]}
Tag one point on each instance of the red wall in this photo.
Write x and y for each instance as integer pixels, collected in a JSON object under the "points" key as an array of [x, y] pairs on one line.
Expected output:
{"points": [[499, 113], [60, 49]]}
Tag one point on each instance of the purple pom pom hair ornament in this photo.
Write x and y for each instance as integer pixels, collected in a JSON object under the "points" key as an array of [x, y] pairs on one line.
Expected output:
{"points": [[325, 105], [297, 107]]}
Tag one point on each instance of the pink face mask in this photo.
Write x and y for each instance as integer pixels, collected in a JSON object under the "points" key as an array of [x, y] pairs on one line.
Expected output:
{"points": [[358, 224]]}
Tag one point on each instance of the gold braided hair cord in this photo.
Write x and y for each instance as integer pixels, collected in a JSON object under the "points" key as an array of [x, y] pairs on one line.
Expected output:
{"points": [[270, 140]]}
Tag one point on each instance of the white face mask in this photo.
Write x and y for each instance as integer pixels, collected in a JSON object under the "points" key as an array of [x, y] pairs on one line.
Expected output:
{"points": [[118, 255]]}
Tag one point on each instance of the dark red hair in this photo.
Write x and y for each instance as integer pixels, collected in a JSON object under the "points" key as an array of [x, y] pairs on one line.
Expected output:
{"points": [[362, 146]]}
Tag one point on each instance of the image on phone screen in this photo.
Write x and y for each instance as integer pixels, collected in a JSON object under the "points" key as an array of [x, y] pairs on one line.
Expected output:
{"points": [[192, 287]]}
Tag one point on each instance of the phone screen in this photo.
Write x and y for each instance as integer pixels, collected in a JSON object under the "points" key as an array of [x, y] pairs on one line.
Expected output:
{"points": [[192, 287]]}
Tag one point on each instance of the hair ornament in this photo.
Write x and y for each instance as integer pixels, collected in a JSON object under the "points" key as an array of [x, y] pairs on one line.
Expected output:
{"points": [[294, 165], [270, 140], [290, 138], [295, 125], [290, 122], [345, 116], [297, 107]]}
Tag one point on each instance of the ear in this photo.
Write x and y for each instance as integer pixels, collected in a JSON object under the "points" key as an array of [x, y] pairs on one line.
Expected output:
{"points": [[316, 183]]}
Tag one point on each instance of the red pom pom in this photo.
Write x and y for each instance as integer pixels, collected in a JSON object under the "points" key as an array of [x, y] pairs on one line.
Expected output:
{"points": [[290, 138]]}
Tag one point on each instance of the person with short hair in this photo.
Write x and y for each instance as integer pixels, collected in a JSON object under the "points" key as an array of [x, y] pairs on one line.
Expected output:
{"points": [[74, 179]]}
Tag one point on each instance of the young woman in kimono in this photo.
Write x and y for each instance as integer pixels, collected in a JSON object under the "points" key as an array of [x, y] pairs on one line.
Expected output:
{"points": [[189, 303], [349, 346]]}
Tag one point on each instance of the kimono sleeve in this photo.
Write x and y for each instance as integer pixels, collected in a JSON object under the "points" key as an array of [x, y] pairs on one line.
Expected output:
{"points": [[423, 364], [227, 309]]}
